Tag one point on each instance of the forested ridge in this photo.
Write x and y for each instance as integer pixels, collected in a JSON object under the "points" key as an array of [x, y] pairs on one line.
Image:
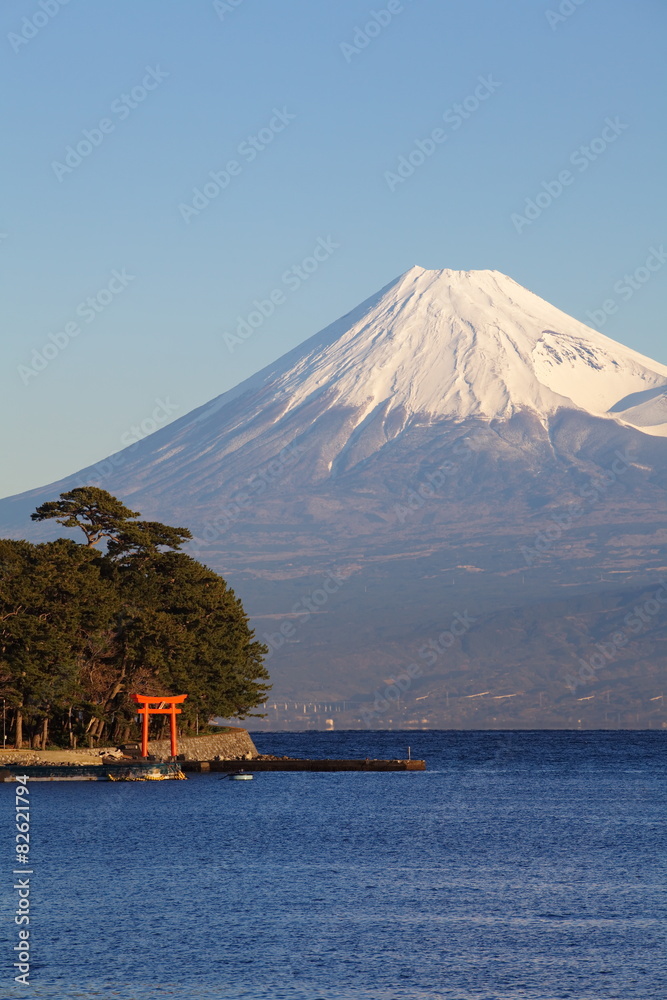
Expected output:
{"points": [[82, 626]]}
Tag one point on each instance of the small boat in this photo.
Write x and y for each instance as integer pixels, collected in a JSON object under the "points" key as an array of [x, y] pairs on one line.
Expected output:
{"points": [[239, 776], [158, 772]]}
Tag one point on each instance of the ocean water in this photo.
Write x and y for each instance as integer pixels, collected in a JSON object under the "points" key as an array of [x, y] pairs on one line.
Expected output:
{"points": [[519, 866]]}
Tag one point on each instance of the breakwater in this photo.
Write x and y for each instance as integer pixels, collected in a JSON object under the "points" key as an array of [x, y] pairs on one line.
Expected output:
{"points": [[235, 743], [297, 764]]}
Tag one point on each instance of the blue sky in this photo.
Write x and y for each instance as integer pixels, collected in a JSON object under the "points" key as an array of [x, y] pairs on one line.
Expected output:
{"points": [[303, 110]]}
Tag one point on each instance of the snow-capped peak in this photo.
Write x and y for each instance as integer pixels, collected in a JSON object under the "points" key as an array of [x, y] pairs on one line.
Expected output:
{"points": [[461, 344]]}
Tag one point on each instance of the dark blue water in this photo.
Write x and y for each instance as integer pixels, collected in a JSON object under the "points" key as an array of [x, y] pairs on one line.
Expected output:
{"points": [[520, 865]]}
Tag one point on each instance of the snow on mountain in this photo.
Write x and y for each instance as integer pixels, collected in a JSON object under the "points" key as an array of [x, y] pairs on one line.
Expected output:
{"points": [[647, 410], [452, 445], [430, 347], [458, 344]]}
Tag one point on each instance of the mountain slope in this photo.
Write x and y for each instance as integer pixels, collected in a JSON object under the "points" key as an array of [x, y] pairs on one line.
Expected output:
{"points": [[465, 343], [454, 444]]}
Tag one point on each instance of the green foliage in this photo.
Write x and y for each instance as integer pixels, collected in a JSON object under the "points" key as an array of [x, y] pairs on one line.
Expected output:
{"points": [[96, 512], [80, 629]]}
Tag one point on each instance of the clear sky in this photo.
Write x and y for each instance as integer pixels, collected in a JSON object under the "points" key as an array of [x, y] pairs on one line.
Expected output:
{"points": [[303, 109]]}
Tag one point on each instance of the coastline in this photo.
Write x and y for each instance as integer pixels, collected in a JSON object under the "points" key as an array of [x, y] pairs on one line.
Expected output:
{"points": [[234, 744]]}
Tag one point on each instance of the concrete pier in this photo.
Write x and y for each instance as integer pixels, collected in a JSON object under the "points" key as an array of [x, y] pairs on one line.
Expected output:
{"points": [[296, 764]]}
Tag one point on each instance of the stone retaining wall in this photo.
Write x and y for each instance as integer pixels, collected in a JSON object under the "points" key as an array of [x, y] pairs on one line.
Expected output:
{"points": [[228, 746]]}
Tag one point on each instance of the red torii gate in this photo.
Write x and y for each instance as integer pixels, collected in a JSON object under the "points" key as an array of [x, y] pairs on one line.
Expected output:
{"points": [[163, 706]]}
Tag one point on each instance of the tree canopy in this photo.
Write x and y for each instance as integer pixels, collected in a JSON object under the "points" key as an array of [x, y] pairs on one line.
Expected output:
{"points": [[80, 629], [98, 513]]}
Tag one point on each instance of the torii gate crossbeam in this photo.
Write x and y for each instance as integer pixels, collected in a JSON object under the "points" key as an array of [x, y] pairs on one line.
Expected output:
{"points": [[163, 706]]}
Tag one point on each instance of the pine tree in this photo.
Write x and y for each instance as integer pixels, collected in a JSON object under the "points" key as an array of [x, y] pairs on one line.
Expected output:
{"points": [[81, 629]]}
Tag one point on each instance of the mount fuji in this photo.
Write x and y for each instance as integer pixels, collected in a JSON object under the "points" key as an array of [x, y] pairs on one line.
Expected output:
{"points": [[439, 511]]}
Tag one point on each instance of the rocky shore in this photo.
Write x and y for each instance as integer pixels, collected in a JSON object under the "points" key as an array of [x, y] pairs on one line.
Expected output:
{"points": [[86, 756], [235, 744]]}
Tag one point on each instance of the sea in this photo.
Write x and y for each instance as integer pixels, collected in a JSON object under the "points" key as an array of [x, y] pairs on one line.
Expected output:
{"points": [[518, 866]]}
